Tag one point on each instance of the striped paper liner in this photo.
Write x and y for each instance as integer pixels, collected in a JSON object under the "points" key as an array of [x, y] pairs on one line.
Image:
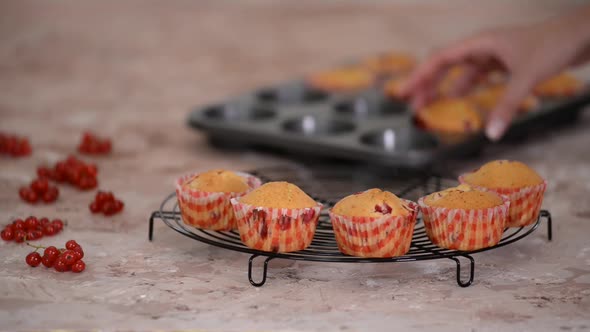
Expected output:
{"points": [[465, 229], [276, 229], [209, 210], [525, 202], [386, 236]]}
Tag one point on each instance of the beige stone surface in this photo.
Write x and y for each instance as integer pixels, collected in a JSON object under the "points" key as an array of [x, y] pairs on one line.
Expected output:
{"points": [[132, 70]]}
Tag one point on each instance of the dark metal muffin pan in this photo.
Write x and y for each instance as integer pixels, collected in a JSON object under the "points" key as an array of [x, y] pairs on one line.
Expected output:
{"points": [[366, 126]]}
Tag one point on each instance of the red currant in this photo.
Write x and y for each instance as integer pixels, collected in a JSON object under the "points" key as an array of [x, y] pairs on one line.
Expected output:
{"points": [[79, 253], [71, 245], [118, 205], [38, 234], [31, 236], [19, 236], [94, 207], [18, 225], [57, 224], [32, 196], [40, 186], [68, 256], [43, 221], [31, 223], [49, 230], [51, 252], [7, 234], [33, 259], [43, 172], [48, 261], [51, 195], [79, 266], [109, 209], [60, 265], [23, 192], [91, 170]]}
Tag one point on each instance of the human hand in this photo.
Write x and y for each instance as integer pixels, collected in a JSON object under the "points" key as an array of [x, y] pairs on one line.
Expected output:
{"points": [[527, 54]]}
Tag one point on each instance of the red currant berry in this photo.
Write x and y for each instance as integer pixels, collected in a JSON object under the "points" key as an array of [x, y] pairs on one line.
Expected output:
{"points": [[50, 195], [48, 261], [57, 224], [79, 266], [18, 225], [31, 236], [91, 170], [71, 245], [119, 205], [40, 186], [60, 265], [31, 223], [43, 221], [32, 196], [68, 256], [19, 236], [38, 234], [109, 209], [51, 252], [33, 259], [43, 172], [79, 253], [23, 192], [7, 234], [94, 208], [49, 230]]}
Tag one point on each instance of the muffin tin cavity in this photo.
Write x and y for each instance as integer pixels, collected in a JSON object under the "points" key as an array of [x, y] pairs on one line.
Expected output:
{"points": [[232, 112], [364, 106], [310, 125], [399, 139], [294, 95]]}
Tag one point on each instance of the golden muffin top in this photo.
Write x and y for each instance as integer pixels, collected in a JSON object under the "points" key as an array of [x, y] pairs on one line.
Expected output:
{"points": [[218, 180], [390, 63], [503, 174], [278, 195], [560, 85], [342, 79], [451, 115], [392, 87], [463, 197], [487, 98], [371, 203]]}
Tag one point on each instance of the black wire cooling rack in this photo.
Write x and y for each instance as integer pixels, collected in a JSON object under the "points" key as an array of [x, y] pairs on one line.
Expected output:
{"points": [[327, 186]]}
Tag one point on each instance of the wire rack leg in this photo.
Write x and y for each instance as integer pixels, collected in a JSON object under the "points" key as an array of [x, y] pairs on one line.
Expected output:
{"points": [[264, 270], [471, 271], [155, 214], [545, 214]]}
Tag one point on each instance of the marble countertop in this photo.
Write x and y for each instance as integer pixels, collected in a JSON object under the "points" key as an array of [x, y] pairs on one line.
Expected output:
{"points": [[132, 70]]}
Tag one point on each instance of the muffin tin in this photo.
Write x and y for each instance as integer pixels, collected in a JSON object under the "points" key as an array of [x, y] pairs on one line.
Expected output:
{"points": [[366, 126]]}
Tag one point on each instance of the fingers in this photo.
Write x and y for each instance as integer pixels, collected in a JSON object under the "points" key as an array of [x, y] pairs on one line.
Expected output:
{"points": [[423, 80], [499, 120]]}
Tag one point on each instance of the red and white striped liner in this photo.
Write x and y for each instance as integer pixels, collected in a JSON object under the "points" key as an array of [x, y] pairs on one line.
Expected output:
{"points": [[525, 202], [387, 236], [276, 229], [465, 229], [209, 210]]}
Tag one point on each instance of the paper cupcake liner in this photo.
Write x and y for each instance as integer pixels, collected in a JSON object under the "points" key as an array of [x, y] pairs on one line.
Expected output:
{"points": [[275, 229], [465, 230], [387, 236], [209, 210], [525, 202]]}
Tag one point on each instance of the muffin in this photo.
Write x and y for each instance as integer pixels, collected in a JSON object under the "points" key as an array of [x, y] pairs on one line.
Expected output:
{"points": [[487, 98], [390, 64], [463, 218], [373, 223], [348, 79], [392, 87], [276, 217], [523, 186], [204, 198], [562, 85], [451, 116]]}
